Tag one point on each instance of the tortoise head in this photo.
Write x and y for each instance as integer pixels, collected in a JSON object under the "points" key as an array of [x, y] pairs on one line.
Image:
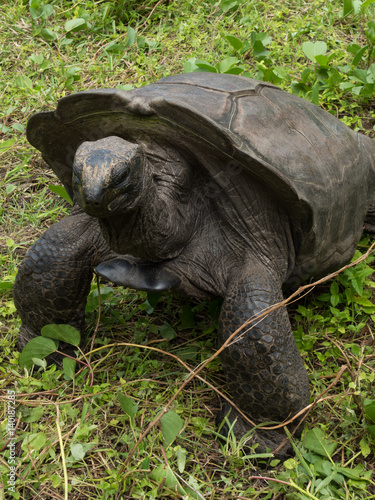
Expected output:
{"points": [[107, 176]]}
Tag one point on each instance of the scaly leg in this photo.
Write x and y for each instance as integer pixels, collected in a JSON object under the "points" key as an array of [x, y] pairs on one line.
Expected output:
{"points": [[53, 280], [265, 372]]}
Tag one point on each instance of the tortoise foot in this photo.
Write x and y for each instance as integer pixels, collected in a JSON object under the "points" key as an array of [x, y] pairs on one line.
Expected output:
{"points": [[267, 441]]}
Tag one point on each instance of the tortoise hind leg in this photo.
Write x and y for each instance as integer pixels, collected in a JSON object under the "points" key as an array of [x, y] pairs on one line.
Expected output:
{"points": [[265, 373], [53, 280]]}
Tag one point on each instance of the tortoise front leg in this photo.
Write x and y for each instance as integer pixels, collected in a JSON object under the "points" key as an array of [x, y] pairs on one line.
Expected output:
{"points": [[53, 280], [265, 373]]}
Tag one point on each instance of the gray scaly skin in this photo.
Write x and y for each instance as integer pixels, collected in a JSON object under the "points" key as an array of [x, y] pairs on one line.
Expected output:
{"points": [[150, 207]]}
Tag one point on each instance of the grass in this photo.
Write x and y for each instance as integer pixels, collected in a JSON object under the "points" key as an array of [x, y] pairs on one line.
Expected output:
{"points": [[73, 438]]}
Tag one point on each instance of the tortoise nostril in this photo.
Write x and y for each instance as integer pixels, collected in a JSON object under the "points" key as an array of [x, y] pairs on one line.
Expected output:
{"points": [[93, 198], [93, 203]]}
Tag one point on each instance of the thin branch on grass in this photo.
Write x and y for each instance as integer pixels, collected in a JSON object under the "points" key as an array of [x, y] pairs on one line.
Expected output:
{"points": [[99, 314], [62, 453], [251, 320]]}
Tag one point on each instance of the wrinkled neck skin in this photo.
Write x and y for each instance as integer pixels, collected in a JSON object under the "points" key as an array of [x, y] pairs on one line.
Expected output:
{"points": [[201, 234]]}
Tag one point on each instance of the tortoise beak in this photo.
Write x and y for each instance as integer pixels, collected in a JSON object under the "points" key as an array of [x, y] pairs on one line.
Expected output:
{"points": [[93, 201], [91, 190]]}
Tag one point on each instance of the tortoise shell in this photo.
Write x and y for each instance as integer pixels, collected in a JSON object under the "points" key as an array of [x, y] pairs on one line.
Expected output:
{"points": [[242, 129]]}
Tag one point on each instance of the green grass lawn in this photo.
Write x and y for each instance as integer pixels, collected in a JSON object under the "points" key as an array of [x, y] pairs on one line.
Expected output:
{"points": [[98, 436]]}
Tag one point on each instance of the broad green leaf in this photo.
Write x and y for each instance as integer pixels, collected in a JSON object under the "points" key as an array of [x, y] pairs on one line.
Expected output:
{"points": [[357, 473], [305, 74], [361, 74], [30, 415], [128, 405], [259, 49], [167, 332], [37, 58], [141, 42], [24, 82], [346, 85], [10, 188], [334, 288], [316, 441], [114, 47], [69, 367], [371, 73], [323, 61], [235, 70], [348, 7], [334, 299], [202, 65], [48, 34], [18, 126], [353, 48], [359, 54], [315, 93], [34, 441], [282, 72], [38, 347], [229, 4], [190, 66], [131, 36], [77, 451], [312, 49], [335, 76], [61, 191], [181, 454], [236, 43], [40, 362], [370, 410], [226, 64], [357, 284], [290, 464], [363, 301], [65, 333], [264, 38], [330, 471], [56, 480], [34, 11], [365, 448], [171, 425], [366, 4], [164, 474], [75, 24], [5, 145]]}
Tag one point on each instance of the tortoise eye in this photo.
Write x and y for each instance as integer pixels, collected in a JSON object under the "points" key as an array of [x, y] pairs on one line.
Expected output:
{"points": [[120, 178]]}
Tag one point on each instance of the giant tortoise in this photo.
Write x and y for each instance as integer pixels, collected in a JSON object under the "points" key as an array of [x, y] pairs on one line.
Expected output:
{"points": [[212, 185]]}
